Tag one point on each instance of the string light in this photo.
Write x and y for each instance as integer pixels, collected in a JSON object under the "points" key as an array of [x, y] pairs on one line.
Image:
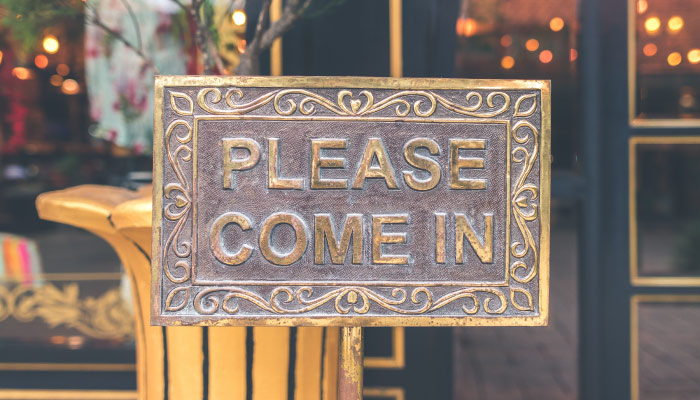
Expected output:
{"points": [[649, 49], [70, 86], [675, 23], [694, 56], [239, 17], [532, 44], [41, 61], [652, 24], [50, 44], [506, 40], [507, 62], [546, 56], [674, 58], [62, 69], [556, 24]]}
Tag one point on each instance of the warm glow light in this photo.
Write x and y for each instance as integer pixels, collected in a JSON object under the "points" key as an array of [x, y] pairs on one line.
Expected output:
{"points": [[649, 49], [21, 73], [468, 27], [507, 62], [642, 6], [241, 46], [506, 40], [0, 57], [56, 80], [238, 17], [62, 69], [694, 56], [532, 44], [545, 56], [50, 44], [70, 86], [573, 54], [674, 58], [652, 24], [556, 24], [41, 61], [675, 23]]}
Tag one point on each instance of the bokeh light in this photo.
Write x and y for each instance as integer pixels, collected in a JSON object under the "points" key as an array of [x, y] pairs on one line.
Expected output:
{"points": [[674, 58], [652, 24], [62, 69], [239, 17], [694, 56], [556, 24], [675, 23], [532, 44], [50, 44], [649, 49], [573, 54], [642, 6], [546, 56], [56, 80], [507, 62], [506, 40], [21, 73], [70, 86], [41, 61]]}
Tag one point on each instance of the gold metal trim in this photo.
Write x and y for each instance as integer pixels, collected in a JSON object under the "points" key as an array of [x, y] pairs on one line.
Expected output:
{"points": [[395, 393], [395, 39], [66, 367], [635, 278], [376, 83], [397, 360], [634, 330], [276, 48], [32, 394], [635, 121]]}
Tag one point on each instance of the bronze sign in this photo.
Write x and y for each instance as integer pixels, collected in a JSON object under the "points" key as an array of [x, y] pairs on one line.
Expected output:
{"points": [[350, 201]]}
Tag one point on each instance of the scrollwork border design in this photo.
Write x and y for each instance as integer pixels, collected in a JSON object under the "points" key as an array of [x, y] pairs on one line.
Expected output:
{"points": [[287, 300]]}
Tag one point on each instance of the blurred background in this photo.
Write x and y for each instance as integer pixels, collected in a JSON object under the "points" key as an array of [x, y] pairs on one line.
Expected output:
{"points": [[76, 80]]}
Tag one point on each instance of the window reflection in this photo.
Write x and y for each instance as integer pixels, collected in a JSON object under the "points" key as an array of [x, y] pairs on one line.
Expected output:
{"points": [[516, 39], [667, 65]]}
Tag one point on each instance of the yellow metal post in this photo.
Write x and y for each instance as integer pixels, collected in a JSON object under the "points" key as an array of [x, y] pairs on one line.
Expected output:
{"points": [[350, 371]]}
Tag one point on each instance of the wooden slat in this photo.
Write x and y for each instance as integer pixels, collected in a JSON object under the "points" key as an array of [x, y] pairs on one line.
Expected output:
{"points": [[227, 363], [330, 362], [270, 363], [307, 373], [185, 358]]}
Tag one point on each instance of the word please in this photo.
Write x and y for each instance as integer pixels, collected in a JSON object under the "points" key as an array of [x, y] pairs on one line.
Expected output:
{"points": [[350, 239], [367, 168]]}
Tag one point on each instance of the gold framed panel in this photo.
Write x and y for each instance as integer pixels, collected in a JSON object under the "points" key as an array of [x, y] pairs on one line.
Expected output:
{"points": [[395, 39], [541, 143], [634, 330], [635, 277], [634, 121], [103, 367], [397, 360]]}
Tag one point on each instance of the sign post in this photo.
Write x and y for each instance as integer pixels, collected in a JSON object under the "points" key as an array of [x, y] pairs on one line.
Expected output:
{"points": [[350, 202]]}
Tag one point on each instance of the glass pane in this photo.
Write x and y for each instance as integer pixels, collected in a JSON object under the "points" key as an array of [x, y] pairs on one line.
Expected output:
{"points": [[64, 303], [669, 355], [668, 220], [667, 59]]}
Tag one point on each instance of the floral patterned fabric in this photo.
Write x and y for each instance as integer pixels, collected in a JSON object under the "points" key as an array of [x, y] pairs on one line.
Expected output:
{"points": [[119, 83]]}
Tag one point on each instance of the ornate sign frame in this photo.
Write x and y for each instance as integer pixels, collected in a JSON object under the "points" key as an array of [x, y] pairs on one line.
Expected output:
{"points": [[179, 299]]}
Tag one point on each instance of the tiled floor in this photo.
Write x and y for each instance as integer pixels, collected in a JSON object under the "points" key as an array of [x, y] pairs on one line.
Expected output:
{"points": [[524, 363]]}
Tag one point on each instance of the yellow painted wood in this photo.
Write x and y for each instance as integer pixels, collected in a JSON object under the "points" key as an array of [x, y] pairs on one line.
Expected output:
{"points": [[227, 363], [185, 361], [270, 363], [123, 219], [307, 372], [330, 372]]}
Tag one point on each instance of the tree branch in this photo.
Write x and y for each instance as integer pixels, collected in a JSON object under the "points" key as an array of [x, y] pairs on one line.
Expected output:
{"points": [[95, 19]]}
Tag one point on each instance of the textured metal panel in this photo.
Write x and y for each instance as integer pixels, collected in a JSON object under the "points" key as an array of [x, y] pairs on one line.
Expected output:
{"points": [[350, 201]]}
